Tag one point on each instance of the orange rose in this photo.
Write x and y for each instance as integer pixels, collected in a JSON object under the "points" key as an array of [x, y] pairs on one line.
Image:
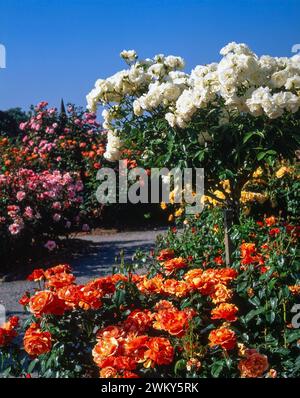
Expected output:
{"points": [[176, 288], [152, 285], [138, 321], [135, 346], [172, 321], [221, 294], [222, 337], [295, 290], [174, 264], [46, 302], [204, 281], [159, 352], [254, 365], [7, 331], [270, 221], [225, 311], [89, 298], [129, 375], [105, 348], [226, 275], [164, 305], [120, 363], [60, 280], [111, 331], [165, 254], [36, 275], [69, 294], [57, 270], [108, 372], [37, 342]]}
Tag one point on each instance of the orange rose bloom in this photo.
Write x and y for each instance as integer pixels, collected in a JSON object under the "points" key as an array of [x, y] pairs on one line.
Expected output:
{"points": [[60, 280], [135, 346], [164, 305], [36, 275], [165, 254], [226, 275], [172, 321], [225, 311], [254, 365], [108, 372], [221, 294], [46, 302], [152, 285], [295, 290], [176, 288], [174, 264], [89, 298], [37, 342], [270, 221], [105, 348], [7, 331], [159, 352], [138, 321], [57, 270], [204, 281], [69, 294], [110, 331], [129, 375], [222, 337]]}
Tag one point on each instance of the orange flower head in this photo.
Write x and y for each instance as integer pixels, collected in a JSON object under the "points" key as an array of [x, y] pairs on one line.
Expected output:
{"points": [[62, 279], [165, 254], [36, 275], [108, 373], [105, 347], [254, 365], [159, 352], [174, 264], [46, 302], [57, 270], [222, 337], [270, 221], [37, 342], [89, 298], [138, 321], [225, 311], [221, 294]]}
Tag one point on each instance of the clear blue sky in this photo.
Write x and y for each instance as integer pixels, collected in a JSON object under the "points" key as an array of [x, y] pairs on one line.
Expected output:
{"points": [[58, 48]]}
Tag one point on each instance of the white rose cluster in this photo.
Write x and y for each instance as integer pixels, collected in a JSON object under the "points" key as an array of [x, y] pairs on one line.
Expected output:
{"points": [[244, 81], [113, 146]]}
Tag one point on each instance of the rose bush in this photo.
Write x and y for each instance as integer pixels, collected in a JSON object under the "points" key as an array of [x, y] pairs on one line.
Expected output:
{"points": [[228, 117], [188, 316]]}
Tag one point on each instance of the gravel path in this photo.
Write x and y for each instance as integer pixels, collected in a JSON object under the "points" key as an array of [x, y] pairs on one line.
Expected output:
{"points": [[102, 251]]}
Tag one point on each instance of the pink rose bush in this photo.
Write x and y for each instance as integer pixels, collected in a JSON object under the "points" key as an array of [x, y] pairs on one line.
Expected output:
{"points": [[38, 205], [48, 179]]}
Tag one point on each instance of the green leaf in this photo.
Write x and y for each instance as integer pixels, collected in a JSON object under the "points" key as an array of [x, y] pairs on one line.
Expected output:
{"points": [[253, 313], [217, 368], [295, 335], [32, 365], [180, 366]]}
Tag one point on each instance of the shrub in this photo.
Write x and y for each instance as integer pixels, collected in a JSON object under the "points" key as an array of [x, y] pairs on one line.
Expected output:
{"points": [[189, 316]]}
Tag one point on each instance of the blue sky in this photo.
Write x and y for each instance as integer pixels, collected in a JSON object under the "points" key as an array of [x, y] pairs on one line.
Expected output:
{"points": [[59, 48]]}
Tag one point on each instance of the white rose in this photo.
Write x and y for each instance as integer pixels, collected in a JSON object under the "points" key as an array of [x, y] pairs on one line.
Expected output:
{"points": [[129, 55]]}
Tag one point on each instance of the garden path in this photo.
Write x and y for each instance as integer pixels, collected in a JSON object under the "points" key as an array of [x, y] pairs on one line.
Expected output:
{"points": [[98, 260]]}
